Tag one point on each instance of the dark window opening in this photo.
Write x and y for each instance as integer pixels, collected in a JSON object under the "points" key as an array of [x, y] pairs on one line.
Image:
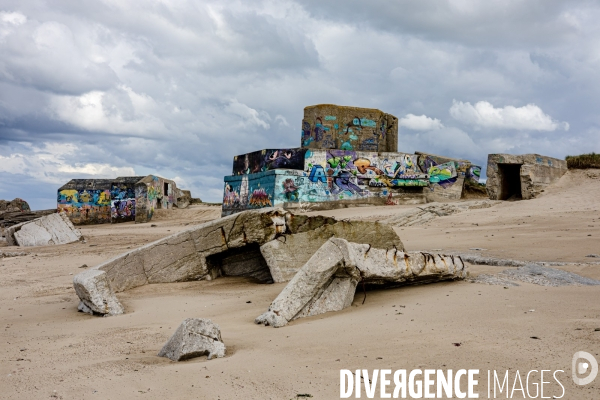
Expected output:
{"points": [[244, 261], [166, 189], [510, 181]]}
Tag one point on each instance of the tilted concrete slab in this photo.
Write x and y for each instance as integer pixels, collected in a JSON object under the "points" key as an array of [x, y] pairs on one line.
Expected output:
{"points": [[48, 230]]}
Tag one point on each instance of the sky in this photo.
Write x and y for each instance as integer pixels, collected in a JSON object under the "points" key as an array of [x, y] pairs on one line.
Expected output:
{"points": [[107, 88]]}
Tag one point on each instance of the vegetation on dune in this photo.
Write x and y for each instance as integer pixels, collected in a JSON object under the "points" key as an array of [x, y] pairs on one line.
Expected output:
{"points": [[582, 161]]}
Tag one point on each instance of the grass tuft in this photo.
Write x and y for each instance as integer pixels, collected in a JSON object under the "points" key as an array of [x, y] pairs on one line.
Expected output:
{"points": [[583, 161]]}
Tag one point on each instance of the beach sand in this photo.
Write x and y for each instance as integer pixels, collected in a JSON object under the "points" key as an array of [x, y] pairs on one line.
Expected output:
{"points": [[49, 350]]}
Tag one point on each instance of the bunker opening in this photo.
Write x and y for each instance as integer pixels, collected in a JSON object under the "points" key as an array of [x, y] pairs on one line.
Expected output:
{"points": [[245, 261], [510, 181]]}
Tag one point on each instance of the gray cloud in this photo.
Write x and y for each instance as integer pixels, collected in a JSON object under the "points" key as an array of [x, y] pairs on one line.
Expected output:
{"points": [[93, 88]]}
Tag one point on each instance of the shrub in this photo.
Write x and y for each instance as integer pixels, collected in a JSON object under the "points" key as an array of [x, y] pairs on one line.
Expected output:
{"points": [[591, 160]]}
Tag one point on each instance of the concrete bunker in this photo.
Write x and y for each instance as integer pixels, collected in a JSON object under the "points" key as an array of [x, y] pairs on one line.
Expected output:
{"points": [[521, 176], [510, 181]]}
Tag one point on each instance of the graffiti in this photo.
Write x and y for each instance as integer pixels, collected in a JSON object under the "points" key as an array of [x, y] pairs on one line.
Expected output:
{"points": [[231, 199], [290, 190], [441, 172], [317, 173], [474, 173], [363, 165], [265, 160], [369, 145], [260, 198], [123, 209]]}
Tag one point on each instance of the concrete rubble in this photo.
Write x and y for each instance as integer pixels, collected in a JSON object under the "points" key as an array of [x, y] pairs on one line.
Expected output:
{"points": [[48, 230], [95, 294], [267, 245], [327, 282], [195, 337]]}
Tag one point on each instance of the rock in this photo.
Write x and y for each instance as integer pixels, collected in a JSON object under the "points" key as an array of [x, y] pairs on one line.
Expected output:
{"points": [[48, 230], [593, 255], [327, 282], [96, 294], [195, 337]]}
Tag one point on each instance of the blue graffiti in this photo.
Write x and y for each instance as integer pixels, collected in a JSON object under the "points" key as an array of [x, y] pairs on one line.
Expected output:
{"points": [[317, 173]]}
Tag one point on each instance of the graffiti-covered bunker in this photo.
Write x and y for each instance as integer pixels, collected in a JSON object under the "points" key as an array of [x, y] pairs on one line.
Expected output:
{"points": [[348, 157], [131, 198], [521, 176]]}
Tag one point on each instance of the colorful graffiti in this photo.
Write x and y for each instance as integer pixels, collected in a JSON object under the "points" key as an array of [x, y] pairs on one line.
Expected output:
{"points": [[123, 209], [474, 174], [249, 191], [85, 206], [269, 159], [259, 198]]}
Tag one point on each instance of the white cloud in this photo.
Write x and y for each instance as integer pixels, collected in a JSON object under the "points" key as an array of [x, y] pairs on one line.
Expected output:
{"points": [[420, 123], [484, 115], [250, 118], [57, 164]]}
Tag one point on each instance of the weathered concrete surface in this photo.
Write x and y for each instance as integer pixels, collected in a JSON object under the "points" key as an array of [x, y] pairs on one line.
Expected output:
{"points": [[183, 256], [195, 337], [421, 215], [96, 294], [523, 176], [329, 126], [327, 282], [287, 255], [48, 230], [537, 275]]}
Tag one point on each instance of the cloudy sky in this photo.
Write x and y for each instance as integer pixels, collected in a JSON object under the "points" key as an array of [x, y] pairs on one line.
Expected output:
{"points": [[177, 88]]}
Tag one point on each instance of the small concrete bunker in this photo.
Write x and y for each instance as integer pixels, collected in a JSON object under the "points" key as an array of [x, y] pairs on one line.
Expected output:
{"points": [[521, 176]]}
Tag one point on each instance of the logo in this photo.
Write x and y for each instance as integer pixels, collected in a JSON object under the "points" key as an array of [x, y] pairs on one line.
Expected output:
{"points": [[580, 367]]}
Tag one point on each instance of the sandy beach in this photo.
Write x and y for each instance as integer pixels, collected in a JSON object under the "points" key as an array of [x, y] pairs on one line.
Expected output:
{"points": [[49, 350]]}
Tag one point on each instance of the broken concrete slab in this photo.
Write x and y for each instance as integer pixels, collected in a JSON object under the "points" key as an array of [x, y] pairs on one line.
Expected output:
{"points": [[327, 282], [195, 337], [286, 256], [96, 294], [186, 255], [48, 230]]}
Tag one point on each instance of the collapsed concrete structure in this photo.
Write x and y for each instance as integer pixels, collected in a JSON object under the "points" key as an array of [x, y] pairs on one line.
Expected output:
{"points": [[348, 157], [521, 176], [132, 198], [48, 230], [327, 282], [268, 245]]}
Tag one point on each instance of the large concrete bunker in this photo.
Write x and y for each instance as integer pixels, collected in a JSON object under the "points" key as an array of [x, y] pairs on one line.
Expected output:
{"points": [[521, 176]]}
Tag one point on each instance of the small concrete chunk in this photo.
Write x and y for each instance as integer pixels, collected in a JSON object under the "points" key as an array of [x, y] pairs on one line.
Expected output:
{"points": [[96, 294], [195, 337]]}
